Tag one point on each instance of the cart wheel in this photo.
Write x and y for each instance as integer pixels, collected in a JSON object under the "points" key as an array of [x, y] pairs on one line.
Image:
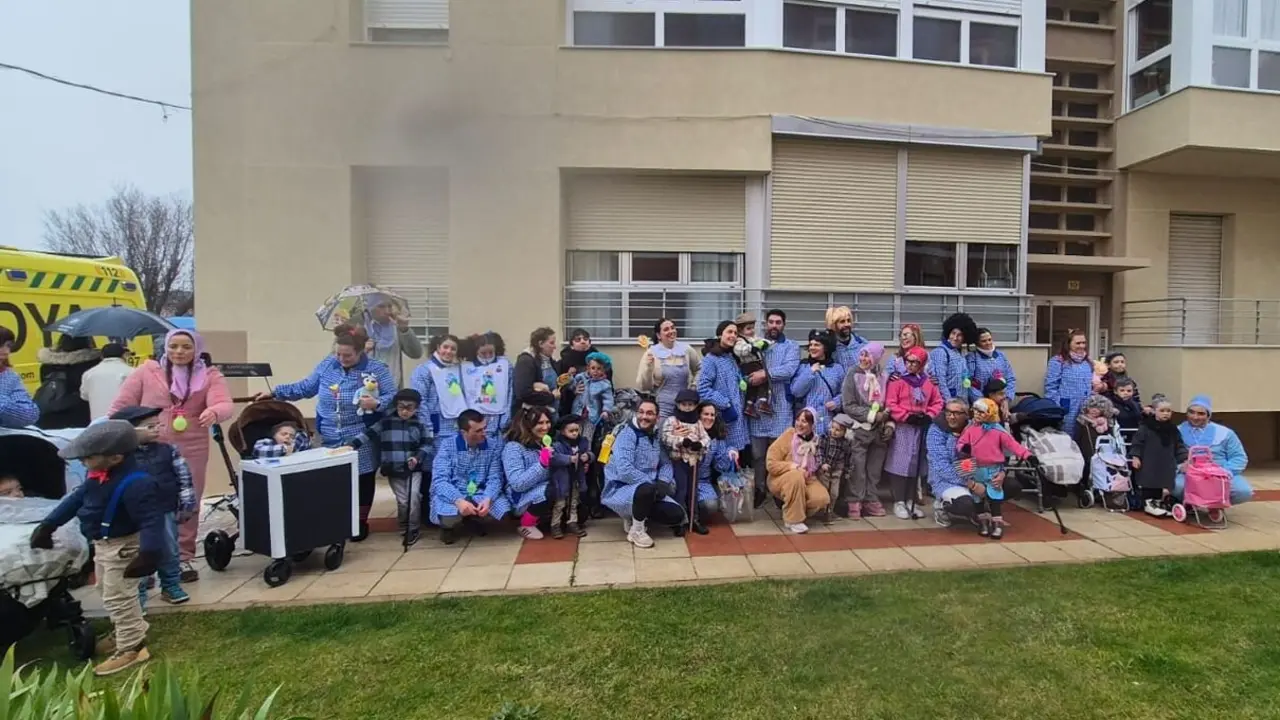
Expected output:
{"points": [[333, 556], [1218, 516], [1180, 512], [1086, 500], [218, 547], [278, 573], [83, 640], [300, 556]]}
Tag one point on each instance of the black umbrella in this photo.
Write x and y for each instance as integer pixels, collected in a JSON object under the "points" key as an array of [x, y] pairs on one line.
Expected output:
{"points": [[114, 321]]}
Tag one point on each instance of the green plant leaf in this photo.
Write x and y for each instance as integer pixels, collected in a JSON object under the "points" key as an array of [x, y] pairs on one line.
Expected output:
{"points": [[264, 712], [6, 683]]}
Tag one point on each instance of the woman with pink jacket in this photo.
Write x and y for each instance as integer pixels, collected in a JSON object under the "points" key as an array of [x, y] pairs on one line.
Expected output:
{"points": [[192, 396]]}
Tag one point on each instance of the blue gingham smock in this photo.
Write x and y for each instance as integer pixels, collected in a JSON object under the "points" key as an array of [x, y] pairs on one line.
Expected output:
{"points": [[816, 389], [1069, 384], [17, 409], [948, 368], [718, 385], [637, 459], [983, 367], [846, 354], [455, 466], [336, 420], [781, 359], [526, 478]]}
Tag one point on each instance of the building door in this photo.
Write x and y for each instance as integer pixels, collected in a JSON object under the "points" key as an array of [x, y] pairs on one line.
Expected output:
{"points": [[1195, 278], [1057, 316]]}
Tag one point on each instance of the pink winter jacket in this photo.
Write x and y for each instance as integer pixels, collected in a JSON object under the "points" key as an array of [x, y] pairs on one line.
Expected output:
{"points": [[990, 446], [148, 387]]}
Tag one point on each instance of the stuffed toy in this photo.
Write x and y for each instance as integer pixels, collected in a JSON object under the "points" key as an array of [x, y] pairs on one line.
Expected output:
{"points": [[1100, 370], [368, 388]]}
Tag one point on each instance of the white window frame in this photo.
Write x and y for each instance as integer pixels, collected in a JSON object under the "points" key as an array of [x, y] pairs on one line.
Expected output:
{"points": [[370, 26], [962, 271], [1133, 65], [659, 9], [1252, 41], [966, 19], [625, 285], [841, 8]]}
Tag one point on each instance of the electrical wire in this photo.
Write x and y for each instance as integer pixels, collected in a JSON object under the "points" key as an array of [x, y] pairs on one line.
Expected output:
{"points": [[81, 86]]}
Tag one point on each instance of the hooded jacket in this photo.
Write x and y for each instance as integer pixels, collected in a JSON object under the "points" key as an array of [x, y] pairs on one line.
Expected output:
{"points": [[1160, 450], [58, 397]]}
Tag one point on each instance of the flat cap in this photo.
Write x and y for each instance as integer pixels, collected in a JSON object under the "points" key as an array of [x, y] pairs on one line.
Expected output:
{"points": [[109, 437], [135, 413]]}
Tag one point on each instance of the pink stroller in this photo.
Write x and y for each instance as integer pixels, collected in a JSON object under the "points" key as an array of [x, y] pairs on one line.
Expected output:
{"points": [[1207, 490]]}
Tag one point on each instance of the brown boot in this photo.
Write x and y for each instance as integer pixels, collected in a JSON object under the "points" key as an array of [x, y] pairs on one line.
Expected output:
{"points": [[122, 661]]}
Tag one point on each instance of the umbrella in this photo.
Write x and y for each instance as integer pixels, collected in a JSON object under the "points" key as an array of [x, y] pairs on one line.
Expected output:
{"points": [[113, 321], [354, 301]]}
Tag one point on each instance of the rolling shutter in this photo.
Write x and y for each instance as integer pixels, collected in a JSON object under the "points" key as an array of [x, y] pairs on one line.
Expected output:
{"points": [[407, 235], [675, 213], [430, 14], [1003, 7], [834, 209], [964, 196], [1195, 274]]}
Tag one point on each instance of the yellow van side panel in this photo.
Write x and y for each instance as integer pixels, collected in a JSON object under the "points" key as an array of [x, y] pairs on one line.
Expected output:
{"points": [[38, 289]]}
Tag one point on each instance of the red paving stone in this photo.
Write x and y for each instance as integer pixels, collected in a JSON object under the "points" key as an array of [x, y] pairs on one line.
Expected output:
{"points": [[1264, 496], [818, 542], [548, 550], [759, 544], [383, 525], [721, 541]]}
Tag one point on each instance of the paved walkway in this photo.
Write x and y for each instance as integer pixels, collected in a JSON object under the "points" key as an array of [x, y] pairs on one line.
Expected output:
{"points": [[377, 569]]}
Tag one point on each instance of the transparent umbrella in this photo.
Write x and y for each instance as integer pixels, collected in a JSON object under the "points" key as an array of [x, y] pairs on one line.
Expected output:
{"points": [[354, 301]]}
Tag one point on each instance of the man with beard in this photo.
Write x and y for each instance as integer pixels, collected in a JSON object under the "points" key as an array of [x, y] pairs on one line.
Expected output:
{"points": [[782, 358], [848, 344]]}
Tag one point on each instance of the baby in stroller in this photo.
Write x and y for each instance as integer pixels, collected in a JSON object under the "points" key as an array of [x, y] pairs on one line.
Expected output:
{"points": [[1106, 469]]}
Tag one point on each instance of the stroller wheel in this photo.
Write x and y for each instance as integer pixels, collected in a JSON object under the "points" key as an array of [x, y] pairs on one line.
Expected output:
{"points": [[1180, 512], [82, 640], [333, 556], [1086, 499], [1218, 516], [300, 556], [277, 573], [218, 547]]}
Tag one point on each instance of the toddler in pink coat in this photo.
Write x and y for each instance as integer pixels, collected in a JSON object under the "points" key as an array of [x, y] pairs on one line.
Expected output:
{"points": [[983, 448]]}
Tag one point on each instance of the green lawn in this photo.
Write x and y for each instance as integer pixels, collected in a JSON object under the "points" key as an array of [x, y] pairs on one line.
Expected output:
{"points": [[1185, 638]]}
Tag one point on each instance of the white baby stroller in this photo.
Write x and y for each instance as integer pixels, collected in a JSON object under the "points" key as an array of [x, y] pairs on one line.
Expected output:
{"points": [[1109, 473]]}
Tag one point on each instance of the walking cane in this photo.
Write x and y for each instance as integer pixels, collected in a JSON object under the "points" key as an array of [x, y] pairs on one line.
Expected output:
{"points": [[920, 460], [693, 492]]}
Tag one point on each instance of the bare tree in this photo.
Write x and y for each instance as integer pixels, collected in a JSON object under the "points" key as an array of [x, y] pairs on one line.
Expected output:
{"points": [[152, 234]]}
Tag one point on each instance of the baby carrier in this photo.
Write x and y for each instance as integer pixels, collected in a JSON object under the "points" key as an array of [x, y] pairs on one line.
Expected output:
{"points": [[735, 502], [1207, 489], [1109, 471]]}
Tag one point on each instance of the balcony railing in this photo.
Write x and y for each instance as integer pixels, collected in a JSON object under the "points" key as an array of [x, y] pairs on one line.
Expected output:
{"points": [[619, 315], [1201, 321]]}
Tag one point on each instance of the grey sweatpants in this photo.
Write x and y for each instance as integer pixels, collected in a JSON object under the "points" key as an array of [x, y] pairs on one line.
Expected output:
{"points": [[869, 449], [408, 498]]}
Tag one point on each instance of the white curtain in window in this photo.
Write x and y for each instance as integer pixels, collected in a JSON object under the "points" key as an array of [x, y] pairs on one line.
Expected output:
{"points": [[1229, 17], [1270, 19]]}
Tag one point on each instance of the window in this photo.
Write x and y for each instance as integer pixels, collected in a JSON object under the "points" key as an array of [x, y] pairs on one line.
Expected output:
{"points": [[1042, 221], [619, 295], [1268, 71], [929, 264], [995, 45], [1045, 193], [1082, 195], [972, 266], [1080, 223], [1042, 247], [809, 27], [879, 316], [936, 39], [1150, 83], [1231, 67], [407, 21], [1082, 110], [1087, 17], [423, 36], [992, 267], [1230, 18], [1087, 81], [1055, 13], [1079, 248], [1152, 27], [870, 33], [704, 30], [1082, 138], [1079, 166], [614, 28]]}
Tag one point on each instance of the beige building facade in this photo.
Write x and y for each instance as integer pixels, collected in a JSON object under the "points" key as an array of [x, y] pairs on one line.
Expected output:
{"points": [[507, 164]]}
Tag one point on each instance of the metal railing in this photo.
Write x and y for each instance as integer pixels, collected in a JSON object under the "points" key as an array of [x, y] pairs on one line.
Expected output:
{"points": [[1201, 321], [622, 314]]}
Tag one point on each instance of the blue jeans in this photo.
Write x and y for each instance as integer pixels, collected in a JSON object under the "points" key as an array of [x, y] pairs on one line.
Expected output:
{"points": [[1241, 490], [167, 569]]}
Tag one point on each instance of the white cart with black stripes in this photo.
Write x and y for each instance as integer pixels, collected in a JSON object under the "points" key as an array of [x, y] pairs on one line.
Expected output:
{"points": [[292, 505]]}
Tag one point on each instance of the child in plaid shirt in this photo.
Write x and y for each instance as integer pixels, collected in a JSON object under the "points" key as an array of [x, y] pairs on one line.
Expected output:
{"points": [[835, 453], [404, 447], [286, 439]]}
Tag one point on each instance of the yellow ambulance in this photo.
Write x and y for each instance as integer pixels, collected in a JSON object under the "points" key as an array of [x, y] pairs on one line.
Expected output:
{"points": [[39, 288]]}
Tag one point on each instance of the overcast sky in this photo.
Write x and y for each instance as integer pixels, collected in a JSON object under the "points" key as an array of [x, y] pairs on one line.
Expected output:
{"points": [[60, 146]]}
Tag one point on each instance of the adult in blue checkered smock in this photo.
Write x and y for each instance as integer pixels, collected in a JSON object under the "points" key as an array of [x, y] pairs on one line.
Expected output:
{"points": [[985, 363], [440, 382], [841, 321], [720, 458], [818, 381], [948, 365], [17, 409], [334, 384], [1068, 379], [909, 336], [1198, 430], [781, 359], [527, 475], [466, 478], [638, 480], [721, 384]]}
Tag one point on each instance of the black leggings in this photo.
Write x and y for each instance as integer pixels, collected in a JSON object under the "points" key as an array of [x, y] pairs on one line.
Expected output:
{"points": [[541, 510], [646, 506], [366, 494]]}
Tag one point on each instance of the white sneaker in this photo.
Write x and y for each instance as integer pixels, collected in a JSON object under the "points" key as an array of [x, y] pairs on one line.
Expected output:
{"points": [[626, 525], [1153, 508], [798, 528], [637, 535], [917, 512], [530, 532], [900, 511]]}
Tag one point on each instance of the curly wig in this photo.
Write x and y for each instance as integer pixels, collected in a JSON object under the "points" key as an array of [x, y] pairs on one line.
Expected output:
{"points": [[963, 323]]}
